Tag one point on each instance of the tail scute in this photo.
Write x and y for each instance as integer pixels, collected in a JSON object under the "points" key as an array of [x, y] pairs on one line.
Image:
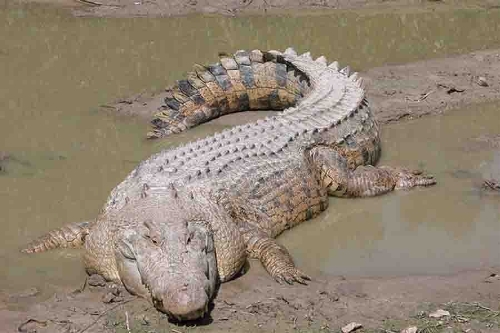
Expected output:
{"points": [[244, 81], [68, 236]]}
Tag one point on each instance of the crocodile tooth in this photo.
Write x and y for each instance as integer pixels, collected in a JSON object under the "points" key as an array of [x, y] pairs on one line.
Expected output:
{"points": [[306, 56], [334, 65], [321, 60], [346, 71], [290, 52], [354, 76]]}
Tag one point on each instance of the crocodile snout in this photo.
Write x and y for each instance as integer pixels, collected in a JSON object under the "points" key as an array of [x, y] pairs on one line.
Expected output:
{"points": [[184, 304]]}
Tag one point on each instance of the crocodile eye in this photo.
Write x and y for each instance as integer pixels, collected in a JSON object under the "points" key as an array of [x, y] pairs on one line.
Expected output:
{"points": [[152, 239], [147, 233]]}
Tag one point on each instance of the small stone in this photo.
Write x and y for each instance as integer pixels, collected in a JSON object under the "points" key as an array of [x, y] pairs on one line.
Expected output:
{"points": [[411, 329], [482, 81], [96, 280], [332, 298], [108, 298], [115, 291], [351, 327], [439, 313], [492, 277]]}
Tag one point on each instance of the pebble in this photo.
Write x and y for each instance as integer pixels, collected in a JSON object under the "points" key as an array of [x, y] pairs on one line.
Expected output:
{"points": [[482, 81], [411, 329], [96, 280], [351, 327], [439, 313]]}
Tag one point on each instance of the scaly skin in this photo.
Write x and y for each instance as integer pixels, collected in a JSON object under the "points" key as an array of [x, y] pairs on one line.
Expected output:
{"points": [[189, 216]]}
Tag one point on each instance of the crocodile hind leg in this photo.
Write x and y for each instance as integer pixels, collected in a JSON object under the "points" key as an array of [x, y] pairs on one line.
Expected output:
{"points": [[363, 181], [274, 257], [69, 236]]}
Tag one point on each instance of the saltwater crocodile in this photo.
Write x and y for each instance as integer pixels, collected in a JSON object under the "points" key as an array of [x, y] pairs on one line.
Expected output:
{"points": [[189, 217]]}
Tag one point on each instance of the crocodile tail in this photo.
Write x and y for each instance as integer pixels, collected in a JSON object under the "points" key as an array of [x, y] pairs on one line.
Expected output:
{"points": [[69, 236], [245, 81]]}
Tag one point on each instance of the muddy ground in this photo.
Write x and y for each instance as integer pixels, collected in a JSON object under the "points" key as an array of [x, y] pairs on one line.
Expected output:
{"points": [[398, 92], [154, 8], [254, 302]]}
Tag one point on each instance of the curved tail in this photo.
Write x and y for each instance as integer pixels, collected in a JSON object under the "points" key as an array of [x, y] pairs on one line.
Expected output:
{"points": [[245, 81], [69, 236]]}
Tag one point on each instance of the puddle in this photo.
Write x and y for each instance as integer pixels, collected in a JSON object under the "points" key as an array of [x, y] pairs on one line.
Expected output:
{"points": [[441, 229], [66, 155]]}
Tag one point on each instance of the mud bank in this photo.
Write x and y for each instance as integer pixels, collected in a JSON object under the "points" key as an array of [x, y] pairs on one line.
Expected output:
{"points": [[255, 303], [397, 92], [162, 8]]}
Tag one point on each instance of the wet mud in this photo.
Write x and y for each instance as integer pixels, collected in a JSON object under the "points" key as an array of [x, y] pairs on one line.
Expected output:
{"points": [[68, 153]]}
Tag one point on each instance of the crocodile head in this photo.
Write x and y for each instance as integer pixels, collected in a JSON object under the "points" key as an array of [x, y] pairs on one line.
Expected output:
{"points": [[169, 260]]}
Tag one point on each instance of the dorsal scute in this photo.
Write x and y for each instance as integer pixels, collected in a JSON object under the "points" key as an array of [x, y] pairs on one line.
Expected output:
{"points": [[333, 97]]}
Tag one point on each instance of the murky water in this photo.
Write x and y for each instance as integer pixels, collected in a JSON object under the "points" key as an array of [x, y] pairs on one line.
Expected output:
{"points": [[441, 229], [55, 70]]}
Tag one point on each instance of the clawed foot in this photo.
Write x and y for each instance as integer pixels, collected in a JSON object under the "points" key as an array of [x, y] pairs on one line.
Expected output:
{"points": [[290, 275], [412, 178]]}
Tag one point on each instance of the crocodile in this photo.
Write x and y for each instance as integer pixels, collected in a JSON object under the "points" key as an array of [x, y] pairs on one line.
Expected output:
{"points": [[188, 218]]}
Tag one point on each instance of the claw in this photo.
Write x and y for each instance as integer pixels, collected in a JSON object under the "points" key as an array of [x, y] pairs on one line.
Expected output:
{"points": [[292, 275], [412, 178], [301, 280]]}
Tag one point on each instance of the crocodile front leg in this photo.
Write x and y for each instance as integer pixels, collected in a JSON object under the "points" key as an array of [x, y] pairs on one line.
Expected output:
{"points": [[364, 181], [275, 258]]}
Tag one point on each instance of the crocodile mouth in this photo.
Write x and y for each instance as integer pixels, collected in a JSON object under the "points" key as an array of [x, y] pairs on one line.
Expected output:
{"points": [[179, 306], [191, 316]]}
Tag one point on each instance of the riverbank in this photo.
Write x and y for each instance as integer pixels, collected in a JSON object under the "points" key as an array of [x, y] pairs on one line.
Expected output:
{"points": [[254, 302]]}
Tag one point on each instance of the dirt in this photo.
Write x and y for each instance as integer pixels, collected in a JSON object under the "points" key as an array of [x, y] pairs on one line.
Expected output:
{"points": [[4, 157], [254, 302], [397, 92], [155, 8]]}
